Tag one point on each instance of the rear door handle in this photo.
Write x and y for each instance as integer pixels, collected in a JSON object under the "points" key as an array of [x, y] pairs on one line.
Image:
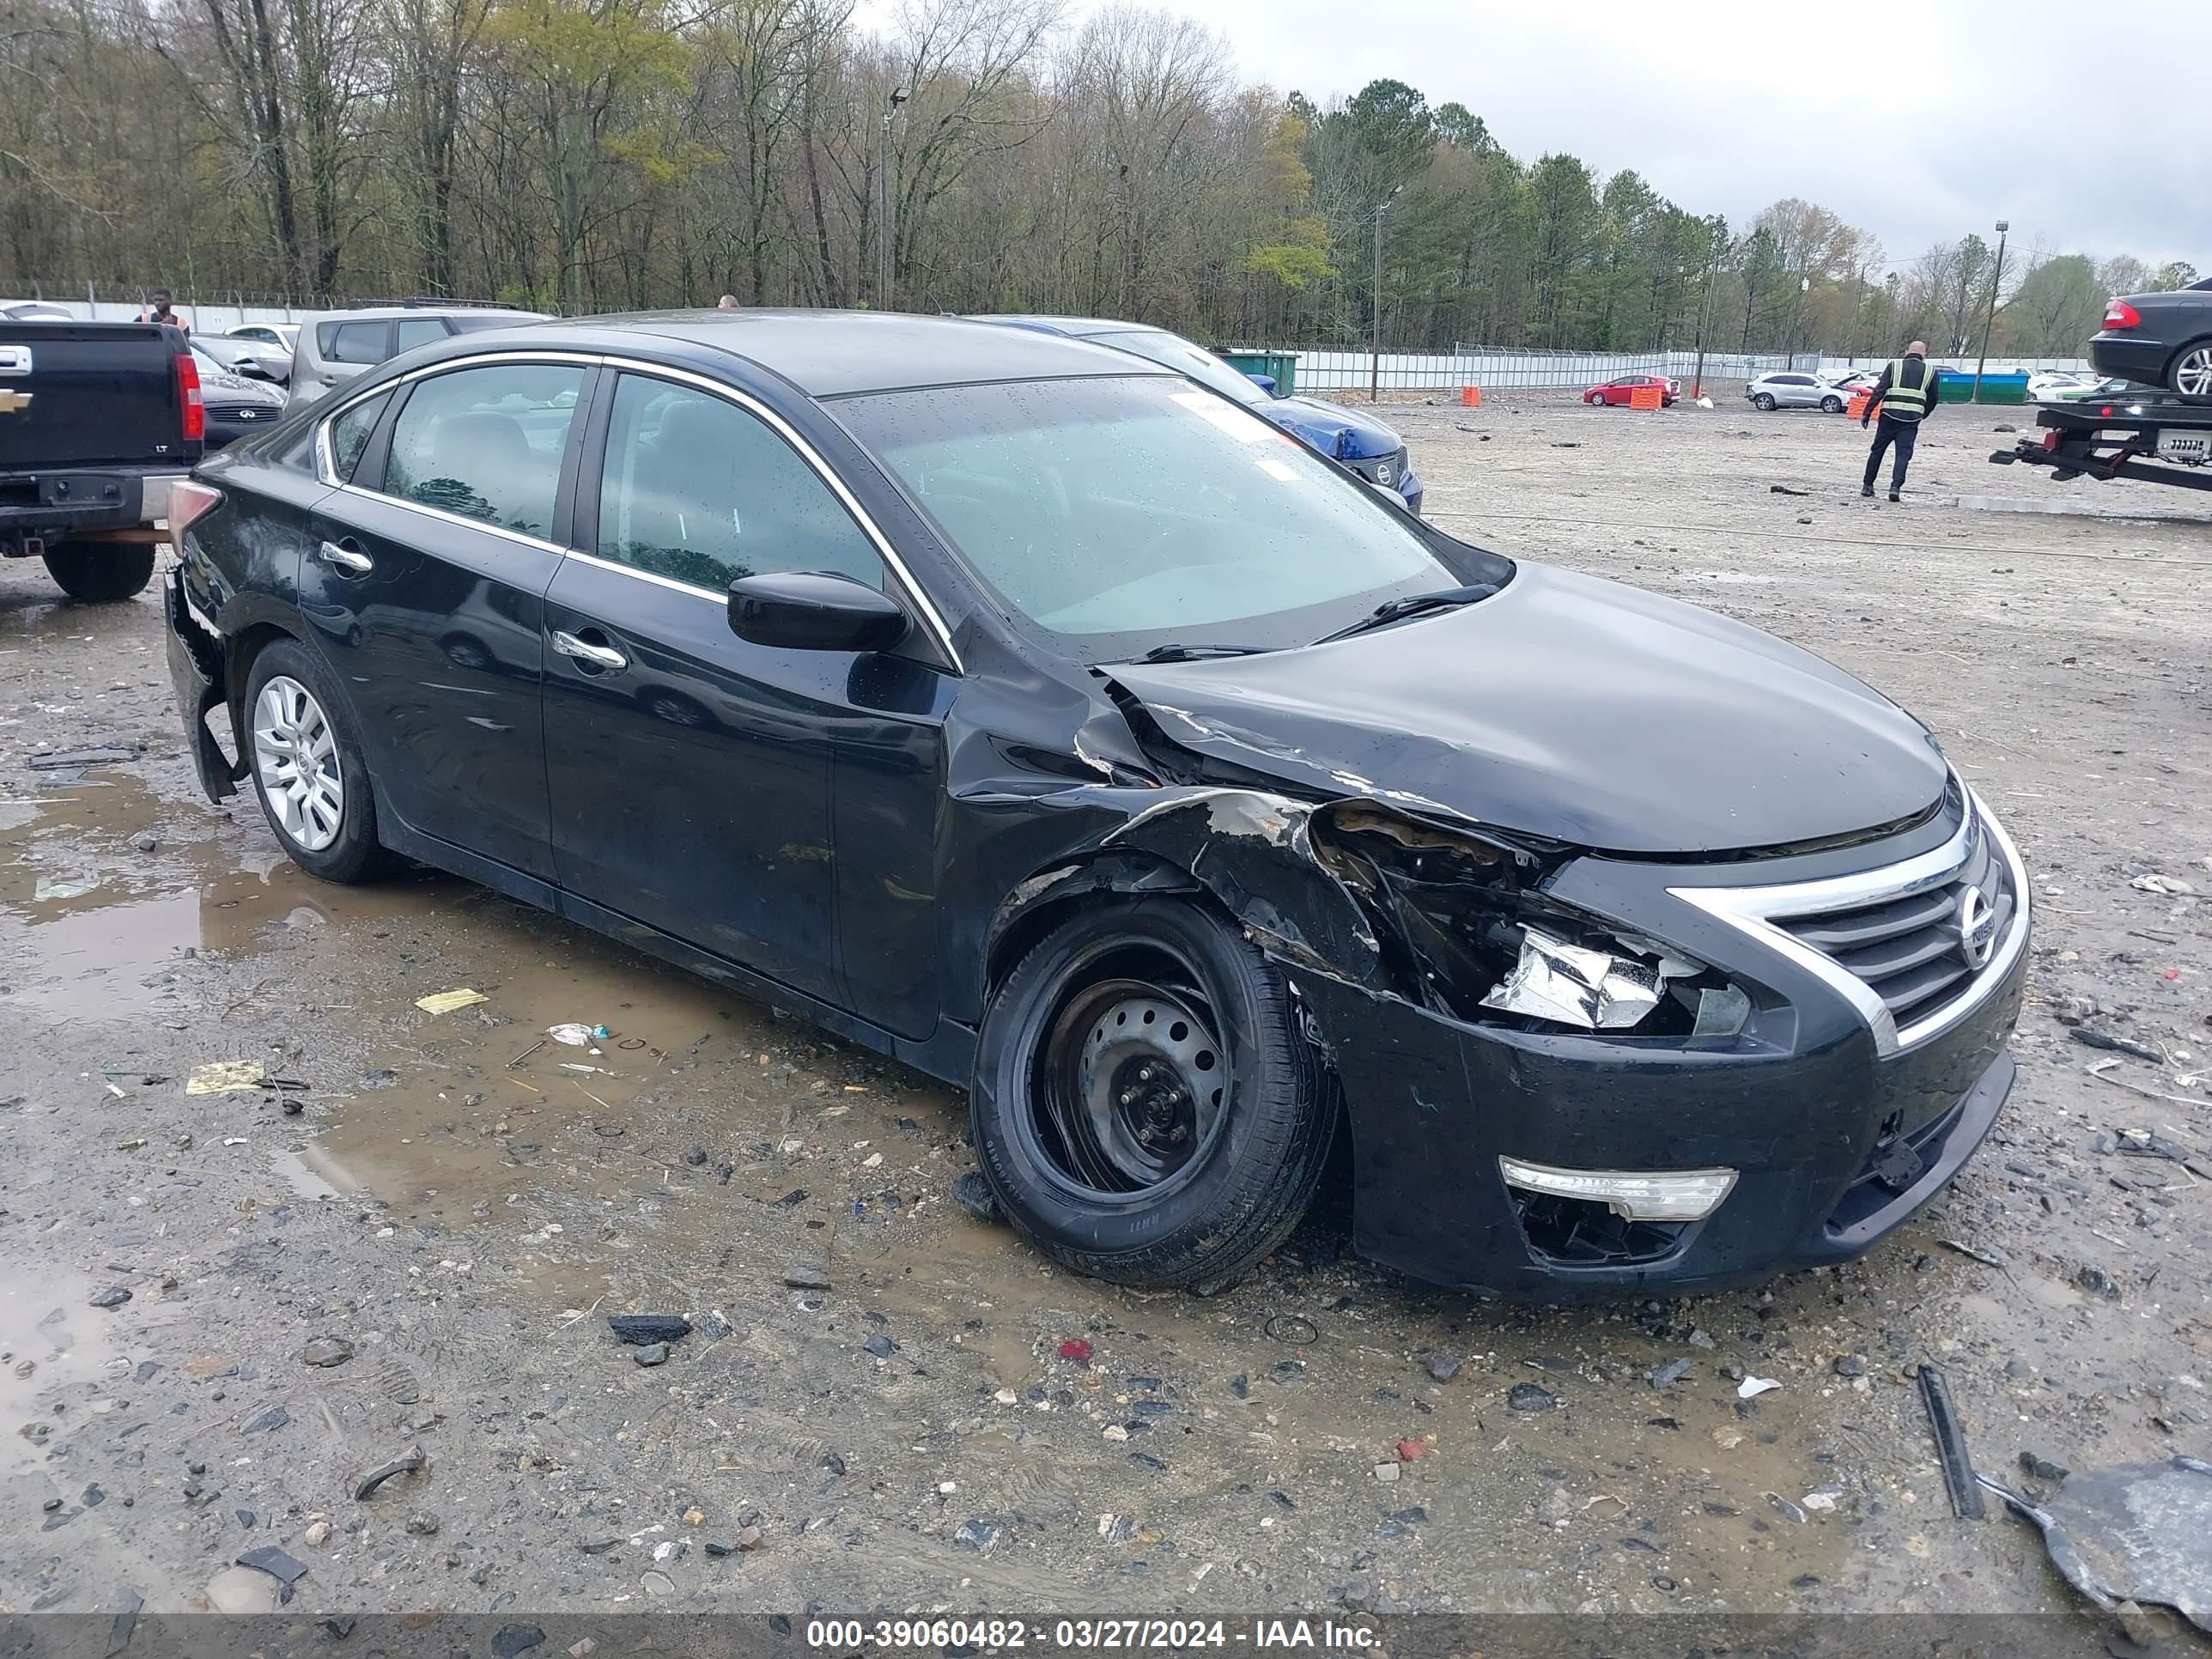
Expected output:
{"points": [[597, 655], [351, 560]]}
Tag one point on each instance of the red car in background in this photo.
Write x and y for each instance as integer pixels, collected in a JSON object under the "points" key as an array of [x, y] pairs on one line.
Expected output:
{"points": [[1617, 391]]}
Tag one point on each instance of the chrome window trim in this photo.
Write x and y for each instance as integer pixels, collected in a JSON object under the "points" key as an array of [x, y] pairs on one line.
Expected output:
{"points": [[1753, 911], [326, 472]]}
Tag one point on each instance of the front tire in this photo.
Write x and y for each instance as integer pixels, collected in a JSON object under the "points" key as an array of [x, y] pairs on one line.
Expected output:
{"points": [[307, 769], [100, 572], [2190, 374], [1831, 405], [1145, 1105], [1764, 403]]}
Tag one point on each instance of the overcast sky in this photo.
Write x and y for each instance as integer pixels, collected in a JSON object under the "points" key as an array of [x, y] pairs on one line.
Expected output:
{"points": [[1920, 120]]}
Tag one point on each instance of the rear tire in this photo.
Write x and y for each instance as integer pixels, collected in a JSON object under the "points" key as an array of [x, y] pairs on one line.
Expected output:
{"points": [[100, 572], [1145, 1106], [307, 769], [2190, 374], [1764, 403]]}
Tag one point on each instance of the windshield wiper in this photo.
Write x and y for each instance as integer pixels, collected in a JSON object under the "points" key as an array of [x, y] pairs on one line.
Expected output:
{"points": [[1412, 605], [1193, 652]]}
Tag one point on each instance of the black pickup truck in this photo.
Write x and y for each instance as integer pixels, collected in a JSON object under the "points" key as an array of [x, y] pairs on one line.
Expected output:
{"points": [[97, 421]]}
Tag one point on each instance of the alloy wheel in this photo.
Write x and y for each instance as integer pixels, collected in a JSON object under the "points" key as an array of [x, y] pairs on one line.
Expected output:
{"points": [[295, 758], [2192, 372]]}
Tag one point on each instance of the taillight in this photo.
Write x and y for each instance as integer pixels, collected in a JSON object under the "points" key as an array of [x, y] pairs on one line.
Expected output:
{"points": [[189, 502], [2118, 314], [2051, 439], [188, 393]]}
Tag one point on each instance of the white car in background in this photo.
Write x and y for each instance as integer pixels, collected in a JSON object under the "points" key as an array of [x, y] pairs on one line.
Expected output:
{"points": [[2058, 385], [35, 311], [267, 344]]}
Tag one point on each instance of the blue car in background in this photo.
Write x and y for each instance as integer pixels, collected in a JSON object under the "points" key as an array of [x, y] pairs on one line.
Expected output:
{"points": [[1361, 442]]}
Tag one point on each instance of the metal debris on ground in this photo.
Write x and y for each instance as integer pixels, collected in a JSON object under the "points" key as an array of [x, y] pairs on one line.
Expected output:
{"points": [[1959, 1476], [286, 1569], [444, 1002], [642, 1330], [2132, 1534], [69, 760], [1972, 1253], [2090, 1039]]}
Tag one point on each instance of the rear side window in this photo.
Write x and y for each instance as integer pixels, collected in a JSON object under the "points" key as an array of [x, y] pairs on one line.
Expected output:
{"points": [[353, 343], [418, 330], [701, 491], [473, 323], [486, 443], [350, 433]]}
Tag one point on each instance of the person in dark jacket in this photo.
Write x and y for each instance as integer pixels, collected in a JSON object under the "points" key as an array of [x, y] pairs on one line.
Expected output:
{"points": [[1904, 394]]}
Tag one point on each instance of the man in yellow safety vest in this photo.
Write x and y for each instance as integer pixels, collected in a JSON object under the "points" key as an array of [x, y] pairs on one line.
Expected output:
{"points": [[1904, 394]]}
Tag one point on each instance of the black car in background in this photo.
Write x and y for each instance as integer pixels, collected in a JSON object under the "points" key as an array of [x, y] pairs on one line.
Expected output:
{"points": [[1025, 711], [2160, 339], [237, 405]]}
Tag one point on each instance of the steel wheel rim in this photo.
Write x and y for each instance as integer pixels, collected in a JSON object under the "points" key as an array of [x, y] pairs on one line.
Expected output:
{"points": [[2192, 375], [1131, 1089], [295, 759]]}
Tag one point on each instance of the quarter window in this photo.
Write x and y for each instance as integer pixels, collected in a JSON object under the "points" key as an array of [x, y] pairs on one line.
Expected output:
{"points": [[350, 433], [418, 330], [486, 443], [354, 342], [699, 491]]}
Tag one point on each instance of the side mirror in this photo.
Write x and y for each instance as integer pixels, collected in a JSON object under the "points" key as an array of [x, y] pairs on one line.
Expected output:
{"points": [[248, 368], [813, 611]]}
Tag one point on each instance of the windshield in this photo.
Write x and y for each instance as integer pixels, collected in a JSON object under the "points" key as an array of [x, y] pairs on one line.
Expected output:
{"points": [[1157, 345], [1121, 516]]}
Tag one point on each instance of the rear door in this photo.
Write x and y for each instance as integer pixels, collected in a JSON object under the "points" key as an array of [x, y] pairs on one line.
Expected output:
{"points": [[347, 349], [425, 575]]}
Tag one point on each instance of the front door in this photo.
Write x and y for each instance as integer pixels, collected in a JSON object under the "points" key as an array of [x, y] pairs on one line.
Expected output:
{"points": [[691, 771], [426, 578]]}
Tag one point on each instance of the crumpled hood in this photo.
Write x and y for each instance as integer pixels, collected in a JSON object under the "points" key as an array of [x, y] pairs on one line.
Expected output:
{"points": [[1571, 708], [1342, 433]]}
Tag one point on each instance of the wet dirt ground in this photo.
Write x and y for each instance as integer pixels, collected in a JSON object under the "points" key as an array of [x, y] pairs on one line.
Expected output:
{"points": [[874, 1381]]}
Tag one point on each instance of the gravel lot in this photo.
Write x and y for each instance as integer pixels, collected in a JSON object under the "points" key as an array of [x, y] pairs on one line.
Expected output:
{"points": [[872, 1411]]}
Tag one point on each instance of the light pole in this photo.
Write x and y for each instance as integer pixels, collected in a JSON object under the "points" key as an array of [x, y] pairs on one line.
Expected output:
{"points": [[1374, 363], [1991, 320], [884, 233]]}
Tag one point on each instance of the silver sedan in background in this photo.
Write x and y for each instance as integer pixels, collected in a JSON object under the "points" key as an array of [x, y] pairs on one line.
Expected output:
{"points": [[1795, 389]]}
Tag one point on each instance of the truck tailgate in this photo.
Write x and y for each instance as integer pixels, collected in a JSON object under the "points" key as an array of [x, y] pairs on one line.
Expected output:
{"points": [[81, 394]]}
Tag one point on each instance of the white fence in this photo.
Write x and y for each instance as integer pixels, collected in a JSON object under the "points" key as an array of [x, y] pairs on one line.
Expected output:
{"points": [[1502, 370]]}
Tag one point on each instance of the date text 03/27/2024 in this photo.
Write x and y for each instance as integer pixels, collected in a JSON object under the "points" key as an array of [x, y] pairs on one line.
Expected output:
{"points": [[853, 1635]]}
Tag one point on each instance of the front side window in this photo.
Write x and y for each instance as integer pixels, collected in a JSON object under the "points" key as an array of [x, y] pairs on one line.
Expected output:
{"points": [[1123, 515], [701, 491], [354, 342], [350, 433], [486, 443]]}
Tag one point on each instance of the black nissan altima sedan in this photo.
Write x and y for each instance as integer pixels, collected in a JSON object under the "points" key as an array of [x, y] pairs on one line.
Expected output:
{"points": [[1057, 725]]}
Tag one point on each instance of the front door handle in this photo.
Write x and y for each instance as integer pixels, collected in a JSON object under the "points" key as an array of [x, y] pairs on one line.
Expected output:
{"points": [[584, 651], [351, 560]]}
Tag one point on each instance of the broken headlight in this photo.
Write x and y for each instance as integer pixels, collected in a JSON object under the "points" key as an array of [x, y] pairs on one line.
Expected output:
{"points": [[1463, 919]]}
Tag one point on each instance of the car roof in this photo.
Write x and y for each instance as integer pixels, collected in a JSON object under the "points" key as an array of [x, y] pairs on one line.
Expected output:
{"points": [[376, 314], [833, 354], [1081, 328]]}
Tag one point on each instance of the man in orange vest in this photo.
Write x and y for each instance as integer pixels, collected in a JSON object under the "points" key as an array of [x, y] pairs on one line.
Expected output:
{"points": [[1904, 394]]}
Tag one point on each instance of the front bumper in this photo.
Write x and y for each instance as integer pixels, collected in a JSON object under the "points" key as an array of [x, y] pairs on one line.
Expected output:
{"points": [[1836, 1130], [197, 671]]}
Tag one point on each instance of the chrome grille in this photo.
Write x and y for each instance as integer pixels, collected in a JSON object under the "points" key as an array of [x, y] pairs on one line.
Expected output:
{"points": [[1910, 951]]}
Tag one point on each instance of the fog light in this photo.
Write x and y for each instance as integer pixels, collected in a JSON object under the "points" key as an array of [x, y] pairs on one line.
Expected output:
{"points": [[1657, 1195]]}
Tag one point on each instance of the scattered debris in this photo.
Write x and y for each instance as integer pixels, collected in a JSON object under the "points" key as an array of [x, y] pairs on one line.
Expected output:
{"points": [[1412, 1451], [61, 887], [1671, 1373], [1077, 1349], [1751, 1387], [652, 1353], [1386, 1473], [806, 1279], [1785, 489], [1849, 1365], [577, 1035], [2090, 1039], [2172, 885], [1972, 1253], [128, 1607], [422, 1524], [114, 1297], [286, 1569], [1958, 1475], [972, 1192], [511, 1639], [326, 1350], [1292, 1328], [70, 760], [883, 1347], [225, 1077], [406, 1463], [1443, 1364], [2131, 1534], [269, 1422], [642, 1330], [1782, 1507], [1528, 1397], [446, 1002], [2042, 1469]]}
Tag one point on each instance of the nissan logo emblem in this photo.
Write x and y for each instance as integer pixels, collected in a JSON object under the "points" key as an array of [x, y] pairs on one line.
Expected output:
{"points": [[1978, 929]]}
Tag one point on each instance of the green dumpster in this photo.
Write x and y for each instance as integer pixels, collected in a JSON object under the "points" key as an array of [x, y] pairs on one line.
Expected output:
{"points": [[1953, 388], [2004, 389], [1281, 366]]}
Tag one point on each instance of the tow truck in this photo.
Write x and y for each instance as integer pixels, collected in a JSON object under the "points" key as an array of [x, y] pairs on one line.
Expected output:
{"points": [[2158, 438]]}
